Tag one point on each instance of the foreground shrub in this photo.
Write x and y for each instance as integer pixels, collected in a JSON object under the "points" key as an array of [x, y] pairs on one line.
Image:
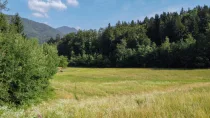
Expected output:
{"points": [[25, 68]]}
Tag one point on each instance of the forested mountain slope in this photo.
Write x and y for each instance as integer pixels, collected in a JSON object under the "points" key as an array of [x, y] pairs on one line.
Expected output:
{"points": [[41, 31]]}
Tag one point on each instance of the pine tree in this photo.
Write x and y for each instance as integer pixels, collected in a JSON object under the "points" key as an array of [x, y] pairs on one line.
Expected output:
{"points": [[17, 24], [179, 29], [132, 23], [182, 12]]}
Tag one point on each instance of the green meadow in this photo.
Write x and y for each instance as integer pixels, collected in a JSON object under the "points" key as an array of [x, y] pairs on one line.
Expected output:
{"points": [[123, 93]]}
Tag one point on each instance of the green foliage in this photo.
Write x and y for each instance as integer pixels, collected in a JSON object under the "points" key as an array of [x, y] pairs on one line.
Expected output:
{"points": [[16, 24], [63, 61], [168, 40], [3, 23], [25, 68], [90, 61]]}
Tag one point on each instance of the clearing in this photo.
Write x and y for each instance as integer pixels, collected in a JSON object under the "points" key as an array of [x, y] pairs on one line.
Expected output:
{"points": [[124, 93]]}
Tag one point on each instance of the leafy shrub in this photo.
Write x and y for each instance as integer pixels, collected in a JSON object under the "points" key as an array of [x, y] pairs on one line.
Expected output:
{"points": [[63, 61], [25, 68], [90, 61]]}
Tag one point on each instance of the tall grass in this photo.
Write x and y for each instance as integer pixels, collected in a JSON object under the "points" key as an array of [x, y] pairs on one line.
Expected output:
{"points": [[127, 93]]}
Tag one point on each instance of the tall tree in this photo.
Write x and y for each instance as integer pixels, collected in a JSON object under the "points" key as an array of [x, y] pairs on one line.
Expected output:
{"points": [[17, 24], [166, 40], [179, 29]]}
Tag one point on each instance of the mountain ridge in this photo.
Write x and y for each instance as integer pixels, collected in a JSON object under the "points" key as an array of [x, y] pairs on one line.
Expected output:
{"points": [[66, 30], [41, 31]]}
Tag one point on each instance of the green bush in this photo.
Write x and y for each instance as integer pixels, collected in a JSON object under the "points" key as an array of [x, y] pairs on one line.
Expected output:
{"points": [[63, 61], [25, 68]]}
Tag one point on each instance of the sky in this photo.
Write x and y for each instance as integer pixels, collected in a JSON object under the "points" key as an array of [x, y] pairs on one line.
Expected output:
{"points": [[94, 14]]}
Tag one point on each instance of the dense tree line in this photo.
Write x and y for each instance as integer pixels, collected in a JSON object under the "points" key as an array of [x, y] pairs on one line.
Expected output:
{"points": [[25, 65], [168, 40]]}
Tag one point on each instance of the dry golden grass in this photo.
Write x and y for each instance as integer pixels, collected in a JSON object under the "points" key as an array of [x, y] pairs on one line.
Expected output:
{"points": [[127, 93]]}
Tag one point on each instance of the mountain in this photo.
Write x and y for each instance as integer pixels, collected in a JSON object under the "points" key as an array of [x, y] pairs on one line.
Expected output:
{"points": [[42, 31], [65, 29], [39, 30]]}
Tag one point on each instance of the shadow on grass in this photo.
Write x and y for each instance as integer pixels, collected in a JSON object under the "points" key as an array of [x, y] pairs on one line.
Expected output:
{"points": [[152, 68]]}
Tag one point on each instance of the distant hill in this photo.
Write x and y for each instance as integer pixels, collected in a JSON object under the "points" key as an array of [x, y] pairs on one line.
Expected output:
{"points": [[42, 31], [39, 30], [65, 30]]}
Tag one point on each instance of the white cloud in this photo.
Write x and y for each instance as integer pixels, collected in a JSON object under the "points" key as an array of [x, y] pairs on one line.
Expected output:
{"points": [[73, 2], [57, 4], [40, 15], [41, 7]]}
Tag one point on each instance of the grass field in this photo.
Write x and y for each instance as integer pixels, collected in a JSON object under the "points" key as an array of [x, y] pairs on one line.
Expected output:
{"points": [[124, 93]]}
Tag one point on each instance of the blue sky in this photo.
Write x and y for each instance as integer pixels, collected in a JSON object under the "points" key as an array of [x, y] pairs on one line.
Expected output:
{"points": [[93, 14]]}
